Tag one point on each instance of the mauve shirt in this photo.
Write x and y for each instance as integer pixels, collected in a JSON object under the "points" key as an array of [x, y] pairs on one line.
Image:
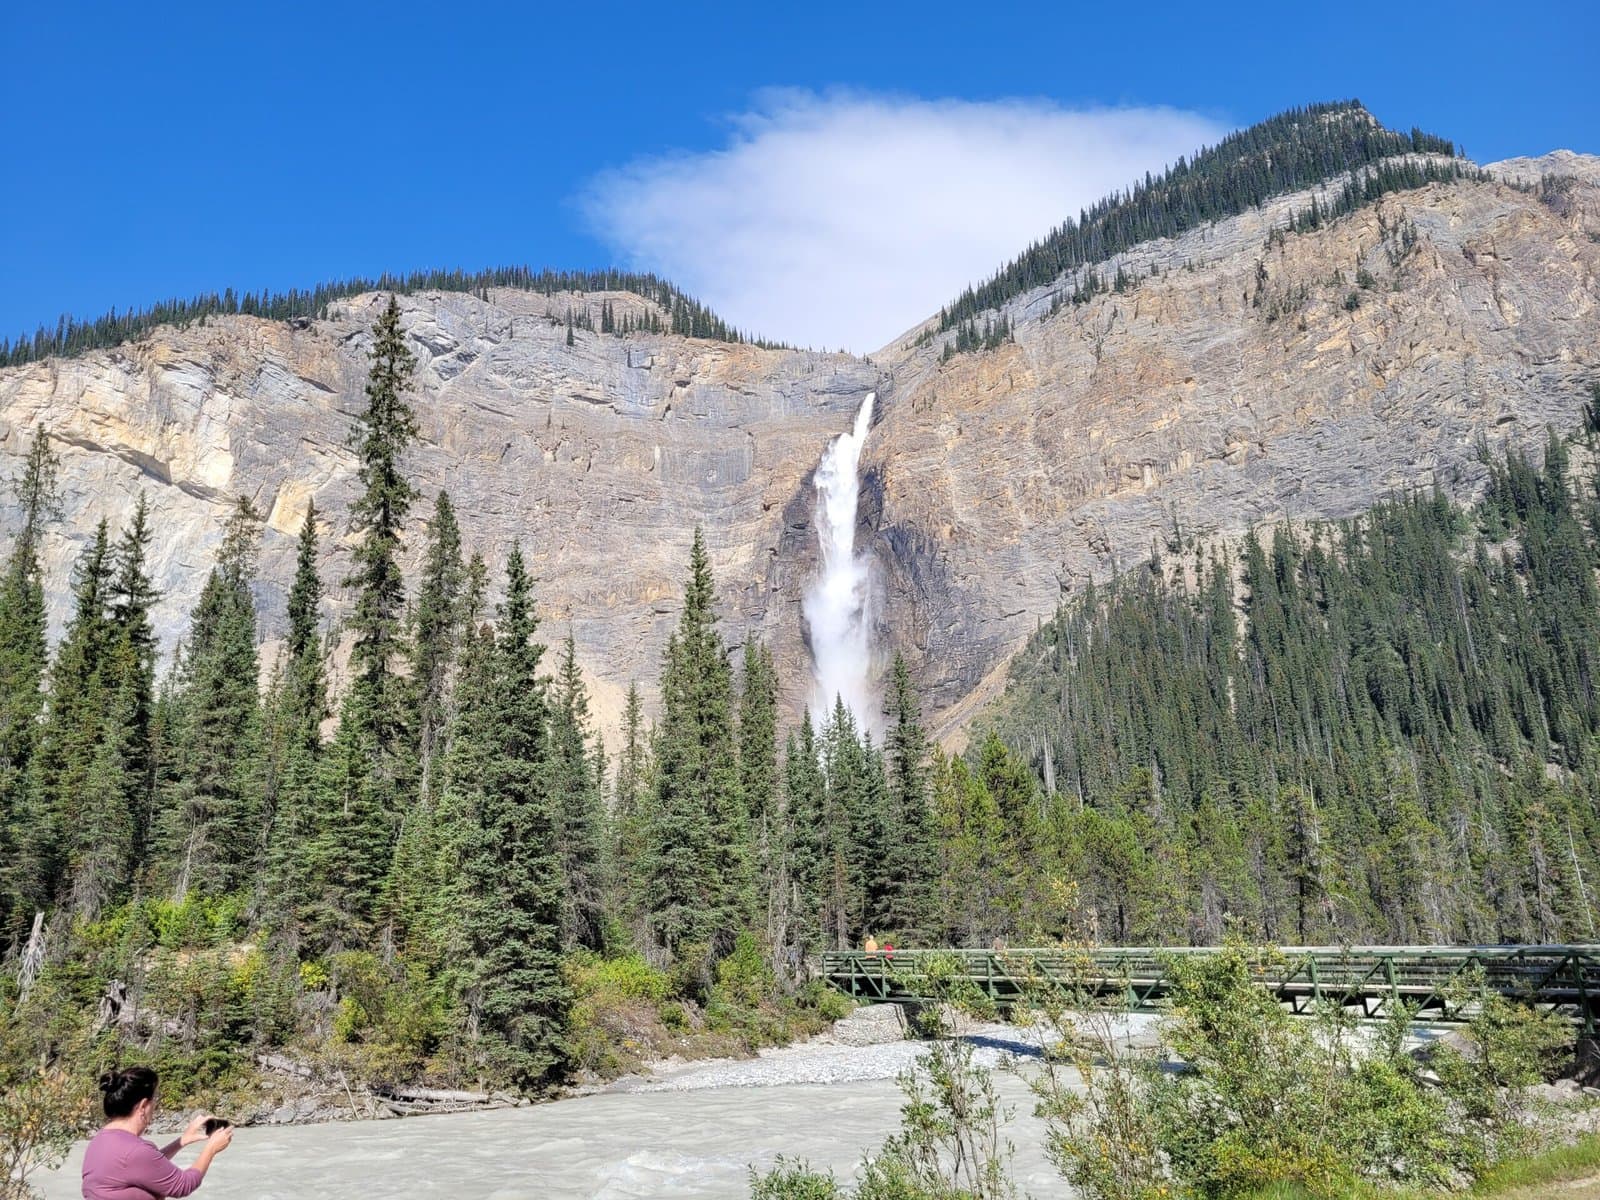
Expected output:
{"points": [[119, 1166]]}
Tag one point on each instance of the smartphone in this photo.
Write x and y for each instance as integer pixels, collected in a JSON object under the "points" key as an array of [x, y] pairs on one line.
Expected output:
{"points": [[215, 1123]]}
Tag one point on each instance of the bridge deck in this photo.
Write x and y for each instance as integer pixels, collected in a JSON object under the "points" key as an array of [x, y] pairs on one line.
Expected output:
{"points": [[1562, 979]]}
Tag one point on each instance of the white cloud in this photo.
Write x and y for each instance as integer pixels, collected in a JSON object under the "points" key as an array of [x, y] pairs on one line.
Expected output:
{"points": [[842, 220]]}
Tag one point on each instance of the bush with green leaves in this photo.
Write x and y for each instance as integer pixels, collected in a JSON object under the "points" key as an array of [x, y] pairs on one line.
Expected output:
{"points": [[46, 1063], [1260, 1098], [951, 1144]]}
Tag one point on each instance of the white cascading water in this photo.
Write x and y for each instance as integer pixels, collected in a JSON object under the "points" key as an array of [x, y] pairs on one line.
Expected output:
{"points": [[836, 602]]}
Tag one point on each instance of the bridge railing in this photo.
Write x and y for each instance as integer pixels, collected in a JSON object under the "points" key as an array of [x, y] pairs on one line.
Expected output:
{"points": [[1440, 981]]}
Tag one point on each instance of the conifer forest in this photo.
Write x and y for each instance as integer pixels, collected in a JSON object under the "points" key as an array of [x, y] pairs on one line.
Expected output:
{"points": [[1381, 730]]}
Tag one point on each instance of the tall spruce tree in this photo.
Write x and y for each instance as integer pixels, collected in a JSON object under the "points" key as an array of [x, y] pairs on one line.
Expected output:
{"points": [[104, 801], [437, 629], [211, 806], [58, 769], [911, 853], [23, 650], [805, 845], [520, 997], [633, 793], [366, 780], [296, 707], [758, 762], [437, 908], [696, 868], [575, 788]]}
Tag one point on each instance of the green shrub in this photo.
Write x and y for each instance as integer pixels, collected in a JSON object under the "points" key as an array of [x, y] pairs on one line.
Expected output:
{"points": [[827, 1003], [673, 1016], [624, 977], [791, 1179]]}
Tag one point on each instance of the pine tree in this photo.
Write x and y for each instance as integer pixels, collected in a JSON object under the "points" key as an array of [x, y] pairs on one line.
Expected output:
{"points": [[519, 994], [366, 780], [758, 762], [632, 794], [695, 869], [575, 791], [437, 628], [74, 710], [103, 801], [911, 853], [23, 651], [805, 842], [295, 710], [212, 806], [437, 909]]}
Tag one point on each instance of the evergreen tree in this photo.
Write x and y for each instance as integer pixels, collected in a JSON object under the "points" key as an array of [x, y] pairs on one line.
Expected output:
{"points": [[519, 995], [437, 908], [575, 790], [366, 780], [295, 710], [59, 767], [911, 855], [695, 868], [805, 844], [106, 822], [437, 628], [631, 824], [758, 765], [23, 651], [211, 807]]}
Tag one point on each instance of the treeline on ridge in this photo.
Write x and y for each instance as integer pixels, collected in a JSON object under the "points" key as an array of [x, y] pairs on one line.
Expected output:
{"points": [[1296, 149], [686, 316]]}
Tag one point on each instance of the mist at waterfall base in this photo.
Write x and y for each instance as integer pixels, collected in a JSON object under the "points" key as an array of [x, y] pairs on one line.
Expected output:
{"points": [[836, 603]]}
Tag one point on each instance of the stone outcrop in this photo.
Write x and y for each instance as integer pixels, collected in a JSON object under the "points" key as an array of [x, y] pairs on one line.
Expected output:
{"points": [[1241, 378]]}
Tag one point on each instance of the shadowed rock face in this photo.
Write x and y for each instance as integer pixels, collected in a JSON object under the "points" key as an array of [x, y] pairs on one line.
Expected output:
{"points": [[1243, 383]]}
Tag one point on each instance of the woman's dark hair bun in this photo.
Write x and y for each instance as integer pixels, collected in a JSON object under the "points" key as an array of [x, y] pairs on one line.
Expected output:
{"points": [[122, 1091]]}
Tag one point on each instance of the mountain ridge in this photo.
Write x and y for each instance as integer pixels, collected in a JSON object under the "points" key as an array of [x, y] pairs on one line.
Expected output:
{"points": [[1252, 372]]}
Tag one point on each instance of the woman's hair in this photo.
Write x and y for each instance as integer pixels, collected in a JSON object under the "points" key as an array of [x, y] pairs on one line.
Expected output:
{"points": [[122, 1090]]}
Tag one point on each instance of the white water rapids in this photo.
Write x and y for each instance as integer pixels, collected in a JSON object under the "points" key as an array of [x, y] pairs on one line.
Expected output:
{"points": [[836, 604], [693, 1131]]}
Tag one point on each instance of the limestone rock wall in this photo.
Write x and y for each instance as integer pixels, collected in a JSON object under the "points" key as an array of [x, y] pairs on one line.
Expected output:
{"points": [[1243, 384], [1242, 379], [599, 458]]}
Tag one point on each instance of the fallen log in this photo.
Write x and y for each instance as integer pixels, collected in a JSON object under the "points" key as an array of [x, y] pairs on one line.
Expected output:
{"points": [[416, 1095]]}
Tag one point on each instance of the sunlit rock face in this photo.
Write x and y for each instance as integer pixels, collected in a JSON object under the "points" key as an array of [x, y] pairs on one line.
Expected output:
{"points": [[600, 458], [1246, 380], [1243, 383]]}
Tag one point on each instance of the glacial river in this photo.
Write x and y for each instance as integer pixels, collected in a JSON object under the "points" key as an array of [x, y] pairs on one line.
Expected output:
{"points": [[692, 1131]]}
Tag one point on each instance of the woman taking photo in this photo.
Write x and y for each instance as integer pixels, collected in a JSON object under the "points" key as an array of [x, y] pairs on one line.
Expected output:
{"points": [[120, 1165]]}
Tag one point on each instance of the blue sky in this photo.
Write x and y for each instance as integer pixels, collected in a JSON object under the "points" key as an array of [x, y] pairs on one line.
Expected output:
{"points": [[167, 149]]}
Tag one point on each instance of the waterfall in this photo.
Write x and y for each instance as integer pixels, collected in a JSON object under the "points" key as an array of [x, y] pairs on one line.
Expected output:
{"points": [[837, 600]]}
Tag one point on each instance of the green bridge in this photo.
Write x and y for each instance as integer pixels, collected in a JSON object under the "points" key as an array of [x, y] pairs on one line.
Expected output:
{"points": [[1561, 979]]}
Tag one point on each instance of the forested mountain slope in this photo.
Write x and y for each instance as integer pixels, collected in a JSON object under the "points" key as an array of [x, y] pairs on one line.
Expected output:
{"points": [[1380, 730], [1244, 373]]}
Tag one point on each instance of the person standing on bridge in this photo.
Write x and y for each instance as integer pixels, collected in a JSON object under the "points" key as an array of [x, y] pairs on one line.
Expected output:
{"points": [[871, 946]]}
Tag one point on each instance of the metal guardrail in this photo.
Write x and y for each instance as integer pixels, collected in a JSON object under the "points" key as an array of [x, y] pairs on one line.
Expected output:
{"points": [[1561, 979]]}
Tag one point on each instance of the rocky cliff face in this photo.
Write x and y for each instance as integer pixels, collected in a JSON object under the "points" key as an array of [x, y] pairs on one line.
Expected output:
{"points": [[601, 458], [1243, 383], [1240, 382]]}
